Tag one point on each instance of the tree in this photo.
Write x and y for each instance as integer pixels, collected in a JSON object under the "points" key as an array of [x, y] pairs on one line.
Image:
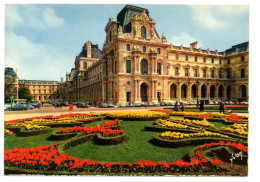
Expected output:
{"points": [[24, 93], [9, 89]]}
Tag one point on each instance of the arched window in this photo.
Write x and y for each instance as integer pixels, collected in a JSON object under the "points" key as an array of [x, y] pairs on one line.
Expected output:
{"points": [[144, 67], [85, 65], [143, 32], [173, 91]]}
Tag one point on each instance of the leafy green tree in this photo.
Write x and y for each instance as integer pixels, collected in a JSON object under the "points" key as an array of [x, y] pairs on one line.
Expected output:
{"points": [[24, 93]]}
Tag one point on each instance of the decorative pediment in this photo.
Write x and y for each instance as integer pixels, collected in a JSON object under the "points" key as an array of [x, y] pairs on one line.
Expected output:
{"points": [[143, 18]]}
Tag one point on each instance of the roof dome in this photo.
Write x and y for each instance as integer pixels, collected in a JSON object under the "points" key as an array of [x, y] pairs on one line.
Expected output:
{"points": [[10, 72]]}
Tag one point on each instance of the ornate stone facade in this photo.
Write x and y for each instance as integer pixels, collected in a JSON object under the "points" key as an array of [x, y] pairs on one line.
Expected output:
{"points": [[139, 66]]}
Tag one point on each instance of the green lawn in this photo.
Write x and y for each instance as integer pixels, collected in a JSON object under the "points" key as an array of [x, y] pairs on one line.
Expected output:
{"points": [[138, 147]]}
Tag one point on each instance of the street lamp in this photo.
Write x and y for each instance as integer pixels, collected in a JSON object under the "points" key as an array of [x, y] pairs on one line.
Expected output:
{"points": [[197, 82]]}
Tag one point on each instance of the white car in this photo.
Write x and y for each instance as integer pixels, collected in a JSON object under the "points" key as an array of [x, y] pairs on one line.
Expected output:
{"points": [[244, 102]]}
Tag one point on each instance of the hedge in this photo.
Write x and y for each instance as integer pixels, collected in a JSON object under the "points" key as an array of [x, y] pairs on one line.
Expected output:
{"points": [[187, 141], [25, 133], [162, 129], [102, 140], [137, 118], [61, 136]]}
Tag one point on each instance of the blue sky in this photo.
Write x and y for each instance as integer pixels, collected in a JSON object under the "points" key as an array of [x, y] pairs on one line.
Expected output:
{"points": [[42, 41]]}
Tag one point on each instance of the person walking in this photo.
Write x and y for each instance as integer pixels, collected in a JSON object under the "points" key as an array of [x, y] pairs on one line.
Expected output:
{"points": [[182, 107], [201, 106], [71, 108], [176, 106], [221, 107]]}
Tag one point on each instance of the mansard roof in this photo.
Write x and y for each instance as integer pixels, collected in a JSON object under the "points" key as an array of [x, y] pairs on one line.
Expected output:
{"points": [[10, 72], [95, 51], [126, 14], [237, 48]]}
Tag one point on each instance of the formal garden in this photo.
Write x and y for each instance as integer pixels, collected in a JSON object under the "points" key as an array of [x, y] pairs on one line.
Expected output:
{"points": [[126, 143]]}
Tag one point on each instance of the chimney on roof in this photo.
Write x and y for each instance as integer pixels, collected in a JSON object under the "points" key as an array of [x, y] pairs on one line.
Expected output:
{"points": [[89, 49], [194, 45]]}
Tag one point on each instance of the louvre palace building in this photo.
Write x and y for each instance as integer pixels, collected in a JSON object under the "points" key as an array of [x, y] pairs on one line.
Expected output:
{"points": [[137, 65]]}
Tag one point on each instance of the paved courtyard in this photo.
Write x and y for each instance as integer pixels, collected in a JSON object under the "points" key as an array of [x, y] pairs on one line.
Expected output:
{"points": [[48, 109]]}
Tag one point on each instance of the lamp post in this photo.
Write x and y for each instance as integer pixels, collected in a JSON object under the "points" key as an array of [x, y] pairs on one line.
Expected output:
{"points": [[197, 83], [17, 87]]}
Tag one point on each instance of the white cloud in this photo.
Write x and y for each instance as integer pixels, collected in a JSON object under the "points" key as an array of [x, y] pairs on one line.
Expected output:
{"points": [[211, 16], [51, 19], [34, 61], [183, 39], [32, 16], [206, 16], [12, 17]]}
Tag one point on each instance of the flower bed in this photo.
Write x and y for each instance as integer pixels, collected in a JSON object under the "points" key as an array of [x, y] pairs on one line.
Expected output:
{"points": [[7, 133], [193, 123], [107, 133], [165, 125], [223, 149], [39, 125], [28, 160], [137, 115], [178, 135]]}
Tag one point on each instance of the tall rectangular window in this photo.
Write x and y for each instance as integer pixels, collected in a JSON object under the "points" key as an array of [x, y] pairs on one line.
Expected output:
{"points": [[127, 47], [220, 74], [196, 59], [128, 66], [158, 51], [212, 60], [177, 57], [159, 68], [220, 61], [228, 74], [242, 58], [242, 73], [115, 66], [212, 73], [176, 71], [144, 49], [186, 58], [186, 72], [195, 72], [228, 61], [204, 60], [204, 73]]}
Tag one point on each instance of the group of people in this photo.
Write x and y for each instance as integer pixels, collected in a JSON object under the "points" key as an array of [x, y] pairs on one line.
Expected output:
{"points": [[201, 108], [57, 105]]}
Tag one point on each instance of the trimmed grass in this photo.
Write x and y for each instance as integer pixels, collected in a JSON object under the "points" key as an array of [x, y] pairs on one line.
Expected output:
{"points": [[138, 147]]}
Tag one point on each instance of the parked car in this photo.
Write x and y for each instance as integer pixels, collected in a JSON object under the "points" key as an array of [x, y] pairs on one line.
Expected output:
{"points": [[66, 103], [82, 105], [35, 104], [103, 105], [136, 105], [151, 104], [17, 107], [244, 102], [162, 104], [144, 104], [110, 105], [170, 104], [122, 105], [231, 102]]}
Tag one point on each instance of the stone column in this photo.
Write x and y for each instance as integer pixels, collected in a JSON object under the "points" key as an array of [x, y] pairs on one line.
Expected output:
{"points": [[155, 90]]}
